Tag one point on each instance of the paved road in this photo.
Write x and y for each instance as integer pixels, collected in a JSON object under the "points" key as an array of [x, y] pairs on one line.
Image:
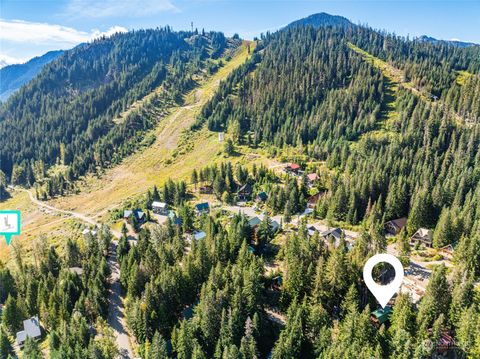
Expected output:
{"points": [[116, 310]]}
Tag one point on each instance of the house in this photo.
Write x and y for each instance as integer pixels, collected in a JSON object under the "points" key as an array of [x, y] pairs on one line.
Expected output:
{"points": [[334, 233], [89, 232], [31, 329], [381, 315], [312, 200], [160, 208], [311, 230], [207, 189], [275, 226], [292, 168], [199, 235], [444, 343], [202, 208], [312, 178], [395, 225], [277, 282], [422, 236], [76, 270], [139, 215], [244, 192], [262, 197], [254, 222], [177, 221]]}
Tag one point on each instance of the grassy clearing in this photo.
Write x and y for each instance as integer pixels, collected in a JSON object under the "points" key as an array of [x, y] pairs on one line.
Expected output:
{"points": [[36, 223], [393, 78]]}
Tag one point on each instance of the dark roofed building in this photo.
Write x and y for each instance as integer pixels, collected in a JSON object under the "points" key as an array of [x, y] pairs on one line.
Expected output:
{"points": [[139, 215], [202, 208], [381, 316], [244, 192], [262, 197], [207, 189]]}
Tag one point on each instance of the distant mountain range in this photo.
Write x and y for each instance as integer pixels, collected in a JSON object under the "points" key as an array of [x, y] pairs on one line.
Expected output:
{"points": [[425, 38], [12, 77]]}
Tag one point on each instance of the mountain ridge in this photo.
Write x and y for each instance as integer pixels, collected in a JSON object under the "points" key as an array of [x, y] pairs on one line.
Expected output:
{"points": [[15, 76]]}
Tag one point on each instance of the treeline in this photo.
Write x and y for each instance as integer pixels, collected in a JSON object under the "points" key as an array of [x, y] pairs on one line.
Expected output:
{"points": [[204, 302], [66, 114], [308, 87], [328, 307], [71, 304]]}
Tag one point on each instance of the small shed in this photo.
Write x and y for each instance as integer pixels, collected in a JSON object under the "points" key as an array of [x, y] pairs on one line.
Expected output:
{"points": [[381, 315], [199, 235]]}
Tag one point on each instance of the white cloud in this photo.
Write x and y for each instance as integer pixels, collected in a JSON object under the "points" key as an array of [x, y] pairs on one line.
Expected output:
{"points": [[6, 60], [42, 33], [115, 8]]}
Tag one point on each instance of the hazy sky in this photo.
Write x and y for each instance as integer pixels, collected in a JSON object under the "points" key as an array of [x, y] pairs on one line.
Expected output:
{"points": [[30, 28]]}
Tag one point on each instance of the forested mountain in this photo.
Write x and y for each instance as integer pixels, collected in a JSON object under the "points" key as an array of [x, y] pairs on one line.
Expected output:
{"points": [[407, 152], [65, 115], [321, 19], [15, 76]]}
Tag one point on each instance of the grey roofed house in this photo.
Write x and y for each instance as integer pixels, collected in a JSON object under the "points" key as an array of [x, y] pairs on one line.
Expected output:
{"points": [[160, 208], [31, 329], [254, 222], [335, 233], [311, 230], [199, 235], [423, 236], [275, 226]]}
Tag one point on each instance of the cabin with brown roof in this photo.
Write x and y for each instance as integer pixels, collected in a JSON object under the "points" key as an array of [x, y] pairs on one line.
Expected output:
{"points": [[395, 225], [312, 200], [207, 189]]}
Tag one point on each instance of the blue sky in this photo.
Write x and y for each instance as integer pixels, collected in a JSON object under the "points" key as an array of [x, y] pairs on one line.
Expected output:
{"points": [[29, 28]]}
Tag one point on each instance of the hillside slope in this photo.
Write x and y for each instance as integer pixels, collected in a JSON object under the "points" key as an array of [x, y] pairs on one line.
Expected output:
{"points": [[65, 114], [321, 90], [173, 154]]}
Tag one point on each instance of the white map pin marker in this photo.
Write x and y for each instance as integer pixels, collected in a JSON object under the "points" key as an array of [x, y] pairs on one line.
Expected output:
{"points": [[383, 293]]}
